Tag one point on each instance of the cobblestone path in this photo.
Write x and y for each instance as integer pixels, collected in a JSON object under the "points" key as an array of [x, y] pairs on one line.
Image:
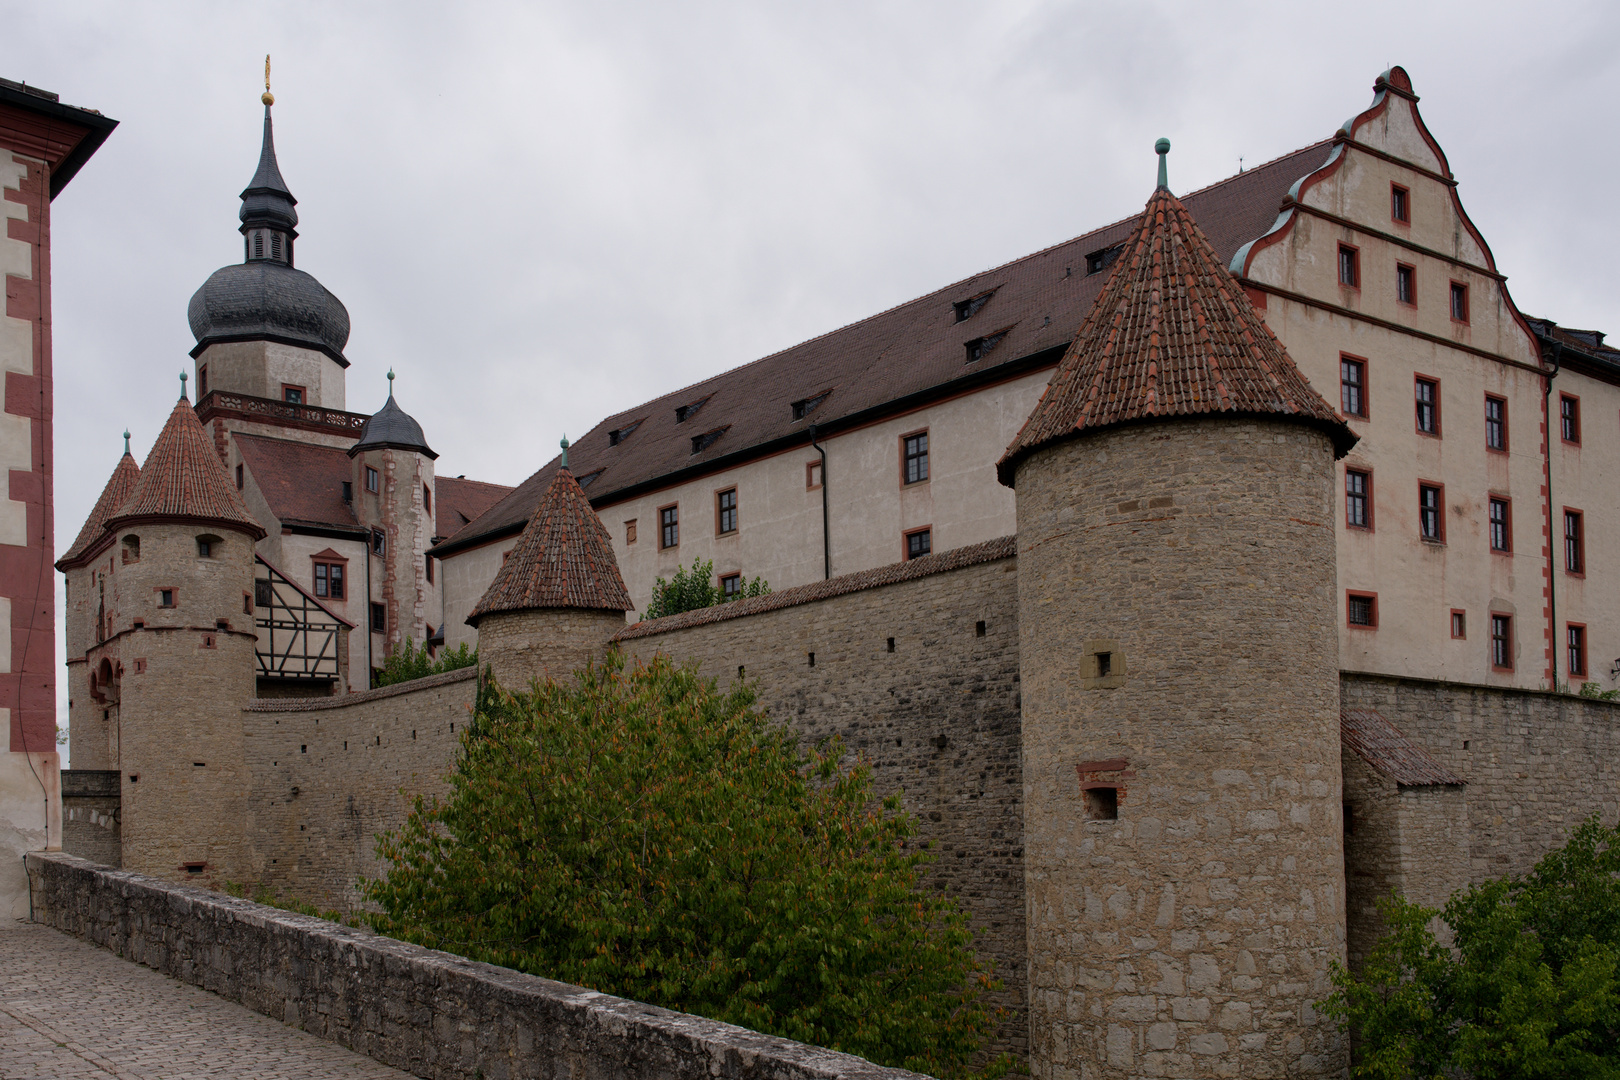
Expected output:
{"points": [[71, 1010]]}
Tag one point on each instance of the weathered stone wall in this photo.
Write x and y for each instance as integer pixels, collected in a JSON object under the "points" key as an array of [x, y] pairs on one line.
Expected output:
{"points": [[1189, 934], [518, 646], [921, 678], [330, 774], [429, 1013], [90, 815]]}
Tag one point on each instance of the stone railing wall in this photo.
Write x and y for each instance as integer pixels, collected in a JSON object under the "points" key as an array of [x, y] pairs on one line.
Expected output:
{"points": [[429, 1013]]}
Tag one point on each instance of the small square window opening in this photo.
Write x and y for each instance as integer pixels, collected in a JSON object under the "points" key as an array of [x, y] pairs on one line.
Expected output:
{"points": [[1102, 804], [292, 395], [166, 598], [1362, 609]]}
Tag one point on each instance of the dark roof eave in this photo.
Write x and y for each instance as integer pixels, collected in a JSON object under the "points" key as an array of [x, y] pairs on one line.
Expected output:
{"points": [[473, 619], [326, 530], [117, 522], [97, 127], [91, 552], [280, 339], [361, 447]]}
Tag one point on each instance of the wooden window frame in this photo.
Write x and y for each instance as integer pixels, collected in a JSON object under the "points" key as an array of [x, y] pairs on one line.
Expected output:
{"points": [[927, 458], [1405, 201], [1506, 438], [1355, 266], [1451, 305], [1358, 594], [314, 579], [379, 543], [1579, 541], [1439, 511], [372, 618], [905, 542], [663, 525], [1569, 651], [1506, 638], [720, 513], [1411, 270], [303, 394], [1507, 523], [1367, 496], [1418, 378], [1457, 614], [1366, 402], [1575, 418]]}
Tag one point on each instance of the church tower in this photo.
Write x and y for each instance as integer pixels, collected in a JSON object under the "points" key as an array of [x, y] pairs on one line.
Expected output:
{"points": [[1184, 871]]}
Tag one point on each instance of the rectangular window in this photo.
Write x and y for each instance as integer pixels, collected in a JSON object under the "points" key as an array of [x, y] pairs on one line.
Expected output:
{"points": [[1357, 499], [1431, 512], [1575, 635], [329, 580], [1496, 437], [292, 395], [669, 526], [916, 458], [429, 560], [1405, 284], [1427, 392], [1502, 642], [1362, 610], [348, 491], [730, 586], [630, 531], [726, 512], [1501, 523], [1574, 542], [165, 598], [379, 619], [1459, 302], [202, 381], [920, 542], [1569, 418], [1353, 386], [1459, 624], [1349, 266], [372, 480], [427, 500], [239, 478], [812, 476], [379, 542], [1400, 204]]}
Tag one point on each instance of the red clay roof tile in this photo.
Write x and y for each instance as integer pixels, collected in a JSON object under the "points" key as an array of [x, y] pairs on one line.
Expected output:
{"points": [[302, 482], [1382, 745], [119, 485], [459, 501], [184, 478]]}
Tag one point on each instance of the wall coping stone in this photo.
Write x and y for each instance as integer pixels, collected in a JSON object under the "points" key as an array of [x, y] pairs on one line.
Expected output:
{"points": [[1416, 680], [1004, 547], [428, 1012], [426, 682]]}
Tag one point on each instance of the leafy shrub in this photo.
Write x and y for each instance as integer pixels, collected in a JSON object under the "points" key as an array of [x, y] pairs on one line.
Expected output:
{"points": [[692, 589], [407, 663]]}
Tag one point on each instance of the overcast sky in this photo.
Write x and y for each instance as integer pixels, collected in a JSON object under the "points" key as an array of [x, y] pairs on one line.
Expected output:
{"points": [[539, 214]]}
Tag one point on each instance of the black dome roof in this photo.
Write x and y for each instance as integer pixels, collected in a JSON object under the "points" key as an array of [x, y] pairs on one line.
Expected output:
{"points": [[392, 426], [266, 300]]}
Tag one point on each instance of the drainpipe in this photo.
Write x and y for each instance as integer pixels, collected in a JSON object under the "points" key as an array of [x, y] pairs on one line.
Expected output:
{"points": [[826, 539], [367, 619], [1552, 536]]}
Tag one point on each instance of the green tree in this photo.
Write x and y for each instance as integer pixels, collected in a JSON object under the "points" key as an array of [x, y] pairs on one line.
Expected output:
{"points": [[408, 662], [644, 833], [691, 589], [1531, 989]]}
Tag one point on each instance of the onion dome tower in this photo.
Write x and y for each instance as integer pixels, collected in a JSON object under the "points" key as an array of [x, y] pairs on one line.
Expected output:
{"points": [[262, 325], [558, 598], [1183, 845], [181, 647]]}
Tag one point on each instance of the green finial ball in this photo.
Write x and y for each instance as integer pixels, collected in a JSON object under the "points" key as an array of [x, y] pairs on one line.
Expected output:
{"points": [[1163, 148], [564, 445], [126, 440], [182, 384]]}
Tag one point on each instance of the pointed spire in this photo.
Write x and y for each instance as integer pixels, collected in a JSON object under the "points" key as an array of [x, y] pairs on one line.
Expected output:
{"points": [[1171, 334], [124, 477], [267, 201], [184, 479], [563, 559]]}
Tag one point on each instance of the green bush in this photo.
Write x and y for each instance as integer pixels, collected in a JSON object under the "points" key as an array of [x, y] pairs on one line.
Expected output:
{"points": [[408, 662], [692, 589], [1529, 991], [646, 834]]}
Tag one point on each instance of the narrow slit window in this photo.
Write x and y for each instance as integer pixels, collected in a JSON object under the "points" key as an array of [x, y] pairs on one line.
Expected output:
{"points": [[1459, 301], [1400, 204], [1574, 542], [1427, 394], [1575, 638], [1569, 418]]}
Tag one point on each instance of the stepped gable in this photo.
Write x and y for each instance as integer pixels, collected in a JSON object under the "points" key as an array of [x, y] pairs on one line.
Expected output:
{"points": [[1171, 334], [119, 485], [563, 559], [183, 478]]}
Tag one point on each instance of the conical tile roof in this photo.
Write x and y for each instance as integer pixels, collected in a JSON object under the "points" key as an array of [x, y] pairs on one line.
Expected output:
{"points": [[184, 478], [119, 485], [563, 559], [1171, 334]]}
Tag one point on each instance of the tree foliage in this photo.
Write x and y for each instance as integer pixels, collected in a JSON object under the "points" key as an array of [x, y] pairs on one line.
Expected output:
{"points": [[1531, 990], [408, 662], [695, 588], [646, 834]]}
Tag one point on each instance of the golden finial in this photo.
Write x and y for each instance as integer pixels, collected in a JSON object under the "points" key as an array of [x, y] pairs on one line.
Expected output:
{"points": [[268, 98]]}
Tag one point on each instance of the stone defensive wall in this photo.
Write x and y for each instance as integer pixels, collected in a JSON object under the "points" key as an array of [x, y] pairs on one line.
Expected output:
{"points": [[330, 774], [428, 1013], [914, 666]]}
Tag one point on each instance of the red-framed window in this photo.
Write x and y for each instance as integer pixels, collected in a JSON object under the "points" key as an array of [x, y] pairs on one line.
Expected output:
{"points": [[725, 511], [914, 457], [1400, 204], [730, 586], [1501, 641], [1459, 624], [1353, 385], [329, 575], [918, 542], [1574, 542], [1361, 610], [1406, 284], [1358, 499], [1432, 511], [1499, 520], [1575, 645], [373, 480], [294, 395], [1459, 302], [1496, 423], [1426, 396], [1349, 266], [1569, 418], [669, 526]]}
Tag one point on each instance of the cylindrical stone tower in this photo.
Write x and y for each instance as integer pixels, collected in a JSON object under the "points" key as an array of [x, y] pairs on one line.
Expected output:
{"points": [[1178, 648]]}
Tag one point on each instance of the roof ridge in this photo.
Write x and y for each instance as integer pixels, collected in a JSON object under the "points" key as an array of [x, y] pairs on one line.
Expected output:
{"points": [[122, 481]]}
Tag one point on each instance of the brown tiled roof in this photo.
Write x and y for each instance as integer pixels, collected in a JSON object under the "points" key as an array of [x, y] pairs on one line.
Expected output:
{"points": [[302, 482], [1004, 547], [119, 485], [564, 559], [891, 361], [1172, 334], [457, 502], [184, 478], [1382, 746]]}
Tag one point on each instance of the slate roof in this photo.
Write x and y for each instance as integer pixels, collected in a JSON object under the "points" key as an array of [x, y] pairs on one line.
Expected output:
{"points": [[1004, 547], [563, 559], [119, 485], [392, 426], [266, 200], [183, 478], [302, 482], [1172, 334], [457, 502], [1582, 349], [908, 355], [264, 300], [1382, 746]]}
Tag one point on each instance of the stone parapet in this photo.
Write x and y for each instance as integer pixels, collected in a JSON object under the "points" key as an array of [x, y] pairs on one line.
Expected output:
{"points": [[430, 1013]]}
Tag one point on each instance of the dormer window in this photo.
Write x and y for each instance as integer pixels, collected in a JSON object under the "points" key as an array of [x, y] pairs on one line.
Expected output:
{"points": [[966, 309], [802, 409], [683, 413], [618, 435], [979, 348], [707, 439], [590, 478], [1098, 261]]}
